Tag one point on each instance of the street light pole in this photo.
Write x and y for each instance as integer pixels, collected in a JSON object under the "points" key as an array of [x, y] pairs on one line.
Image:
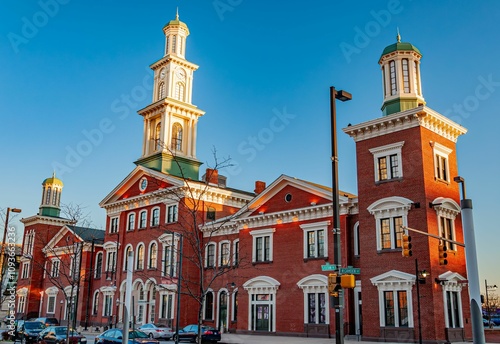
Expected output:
{"points": [[2, 257], [337, 254], [471, 265]]}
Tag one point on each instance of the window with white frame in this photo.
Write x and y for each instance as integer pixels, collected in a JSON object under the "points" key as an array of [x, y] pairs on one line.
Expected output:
{"points": [[262, 245], [131, 222], [316, 301], [172, 213], [446, 212], [142, 219], [451, 284], [98, 265], [209, 306], [29, 243], [54, 271], [166, 306], [395, 298], [155, 217], [441, 168], [315, 243], [168, 256], [26, 270], [51, 304], [236, 252], [392, 72], [225, 253], [388, 162], [107, 310], [210, 255], [356, 239], [128, 249], [447, 231], [21, 303], [390, 214], [153, 256], [110, 261], [113, 225], [95, 303], [139, 265]]}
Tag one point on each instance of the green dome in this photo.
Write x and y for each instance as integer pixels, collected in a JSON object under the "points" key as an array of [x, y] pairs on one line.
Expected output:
{"points": [[176, 21], [400, 46], [53, 180]]}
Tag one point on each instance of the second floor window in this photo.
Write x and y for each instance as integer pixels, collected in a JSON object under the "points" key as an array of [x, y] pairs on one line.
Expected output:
{"points": [[131, 222], [55, 268], [224, 254], [391, 232], [98, 265], [210, 255], [172, 213], [113, 227], [388, 162], [111, 261], [140, 258], [142, 219], [155, 217], [316, 243]]}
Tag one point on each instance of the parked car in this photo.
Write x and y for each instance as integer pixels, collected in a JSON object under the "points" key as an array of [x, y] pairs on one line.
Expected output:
{"points": [[208, 334], [58, 335], [157, 331], [115, 336], [487, 323], [27, 331], [48, 321]]}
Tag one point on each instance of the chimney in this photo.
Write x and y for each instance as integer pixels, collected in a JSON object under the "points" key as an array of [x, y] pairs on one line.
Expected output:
{"points": [[259, 187], [212, 176]]}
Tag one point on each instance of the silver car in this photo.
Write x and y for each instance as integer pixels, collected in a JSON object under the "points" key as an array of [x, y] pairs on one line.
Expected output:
{"points": [[157, 331]]}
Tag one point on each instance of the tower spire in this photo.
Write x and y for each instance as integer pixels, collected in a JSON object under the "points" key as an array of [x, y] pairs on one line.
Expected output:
{"points": [[177, 13], [398, 37]]}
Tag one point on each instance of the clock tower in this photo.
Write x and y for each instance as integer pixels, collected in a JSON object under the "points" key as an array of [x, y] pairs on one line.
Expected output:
{"points": [[170, 121]]}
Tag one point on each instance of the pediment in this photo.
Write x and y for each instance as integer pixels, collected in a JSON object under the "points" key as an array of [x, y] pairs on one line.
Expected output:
{"points": [[393, 277]]}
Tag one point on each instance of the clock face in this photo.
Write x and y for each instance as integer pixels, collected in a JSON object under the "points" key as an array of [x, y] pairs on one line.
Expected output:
{"points": [[180, 74], [143, 184], [163, 72]]}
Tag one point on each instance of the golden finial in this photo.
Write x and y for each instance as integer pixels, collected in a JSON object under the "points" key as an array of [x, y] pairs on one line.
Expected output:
{"points": [[398, 37]]}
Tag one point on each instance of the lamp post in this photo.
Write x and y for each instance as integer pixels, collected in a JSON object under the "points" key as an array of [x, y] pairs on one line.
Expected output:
{"points": [[471, 265], [420, 279], [337, 254], [488, 308], [14, 210]]}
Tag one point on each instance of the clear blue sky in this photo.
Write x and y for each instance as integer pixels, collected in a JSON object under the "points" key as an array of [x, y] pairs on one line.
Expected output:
{"points": [[68, 65]]}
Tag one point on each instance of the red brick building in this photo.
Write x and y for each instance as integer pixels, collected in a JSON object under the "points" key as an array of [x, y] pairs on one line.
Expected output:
{"points": [[257, 256]]}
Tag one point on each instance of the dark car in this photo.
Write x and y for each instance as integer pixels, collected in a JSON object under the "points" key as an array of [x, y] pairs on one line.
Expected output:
{"points": [[115, 336], [208, 334], [58, 335], [28, 331], [48, 321]]}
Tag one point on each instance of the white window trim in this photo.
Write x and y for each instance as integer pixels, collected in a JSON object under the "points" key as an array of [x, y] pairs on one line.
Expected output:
{"points": [[149, 255], [137, 256], [176, 205], [54, 304], [454, 282], [394, 281], [111, 220], [128, 221], [235, 251], [125, 257], [356, 238], [389, 207], [449, 209], [215, 254], [94, 302], [442, 151], [315, 284], [386, 151], [26, 268], [262, 285], [58, 267], [152, 217], [95, 265], [315, 227], [166, 240], [219, 263], [210, 290], [145, 220], [261, 233]]}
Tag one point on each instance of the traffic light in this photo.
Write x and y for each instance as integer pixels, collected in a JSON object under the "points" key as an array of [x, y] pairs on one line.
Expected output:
{"points": [[333, 284], [406, 245], [347, 281], [442, 254]]}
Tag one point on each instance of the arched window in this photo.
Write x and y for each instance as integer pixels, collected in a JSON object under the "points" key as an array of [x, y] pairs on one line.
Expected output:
{"points": [[54, 198], [98, 265], [209, 306], [47, 199], [157, 136], [142, 219], [125, 258], [179, 91], [406, 76], [131, 222], [95, 304], [161, 90], [140, 257], [155, 217], [176, 137], [153, 253], [174, 44]]}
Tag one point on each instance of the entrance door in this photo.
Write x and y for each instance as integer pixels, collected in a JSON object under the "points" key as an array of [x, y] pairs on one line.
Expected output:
{"points": [[262, 323], [223, 312]]}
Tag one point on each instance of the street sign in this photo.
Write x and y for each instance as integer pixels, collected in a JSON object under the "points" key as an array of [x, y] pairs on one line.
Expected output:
{"points": [[328, 267], [350, 270]]}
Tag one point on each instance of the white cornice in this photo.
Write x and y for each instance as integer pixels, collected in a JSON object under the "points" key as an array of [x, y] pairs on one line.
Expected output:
{"points": [[419, 116], [46, 220], [177, 60], [171, 105]]}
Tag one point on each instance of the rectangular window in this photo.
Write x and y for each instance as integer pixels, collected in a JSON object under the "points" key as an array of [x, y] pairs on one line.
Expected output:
{"points": [[236, 252], [388, 167], [391, 232], [441, 167], [224, 254], [152, 313], [453, 309], [316, 308], [406, 76], [113, 228], [387, 161], [111, 261], [26, 269], [167, 262], [402, 309], [140, 313], [316, 243], [131, 222], [155, 217], [172, 213], [392, 70], [447, 232], [55, 268], [210, 214], [210, 255], [142, 219], [389, 308], [108, 306], [51, 304], [21, 303], [262, 249]]}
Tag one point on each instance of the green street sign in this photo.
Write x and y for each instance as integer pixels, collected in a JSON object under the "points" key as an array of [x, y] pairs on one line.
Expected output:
{"points": [[350, 270], [328, 267]]}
